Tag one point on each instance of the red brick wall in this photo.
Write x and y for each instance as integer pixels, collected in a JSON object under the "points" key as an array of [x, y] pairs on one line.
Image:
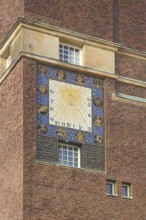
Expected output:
{"points": [[57, 193], [11, 146], [10, 11], [94, 18], [130, 90], [130, 67], [129, 23], [126, 152], [120, 21], [29, 133]]}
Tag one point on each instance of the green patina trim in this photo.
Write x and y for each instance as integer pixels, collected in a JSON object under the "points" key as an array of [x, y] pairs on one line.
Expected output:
{"points": [[130, 79], [134, 98]]}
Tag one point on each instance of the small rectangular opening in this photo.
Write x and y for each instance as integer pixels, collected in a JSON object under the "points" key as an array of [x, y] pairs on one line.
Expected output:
{"points": [[126, 190], [110, 187]]}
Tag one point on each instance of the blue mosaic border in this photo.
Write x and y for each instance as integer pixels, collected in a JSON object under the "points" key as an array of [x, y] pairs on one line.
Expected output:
{"points": [[44, 73]]}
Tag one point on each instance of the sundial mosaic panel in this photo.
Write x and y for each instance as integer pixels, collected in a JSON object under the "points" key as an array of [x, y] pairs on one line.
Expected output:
{"points": [[69, 105]]}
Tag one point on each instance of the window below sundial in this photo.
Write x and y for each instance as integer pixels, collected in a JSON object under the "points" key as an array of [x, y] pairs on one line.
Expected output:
{"points": [[69, 155]]}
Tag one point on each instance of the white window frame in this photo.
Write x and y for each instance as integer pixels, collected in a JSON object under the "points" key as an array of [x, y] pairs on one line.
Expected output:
{"points": [[113, 187], [61, 145], [74, 56], [128, 190]]}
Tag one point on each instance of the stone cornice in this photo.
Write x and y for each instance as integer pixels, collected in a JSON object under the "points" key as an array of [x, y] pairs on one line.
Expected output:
{"points": [[55, 62], [64, 35], [78, 38], [83, 69]]}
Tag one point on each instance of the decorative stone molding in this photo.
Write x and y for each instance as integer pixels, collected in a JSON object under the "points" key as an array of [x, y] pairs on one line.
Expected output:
{"points": [[41, 42]]}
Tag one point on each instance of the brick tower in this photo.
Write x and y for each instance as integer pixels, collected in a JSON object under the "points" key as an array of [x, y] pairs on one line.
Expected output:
{"points": [[72, 110]]}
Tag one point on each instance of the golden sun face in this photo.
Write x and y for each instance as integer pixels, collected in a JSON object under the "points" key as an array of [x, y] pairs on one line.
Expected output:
{"points": [[70, 106], [71, 95]]}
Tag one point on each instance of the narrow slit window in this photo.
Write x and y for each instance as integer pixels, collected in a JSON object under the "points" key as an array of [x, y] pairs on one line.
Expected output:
{"points": [[125, 190], [110, 188]]}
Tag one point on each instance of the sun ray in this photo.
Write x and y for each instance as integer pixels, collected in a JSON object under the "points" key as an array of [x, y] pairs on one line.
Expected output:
{"points": [[70, 105]]}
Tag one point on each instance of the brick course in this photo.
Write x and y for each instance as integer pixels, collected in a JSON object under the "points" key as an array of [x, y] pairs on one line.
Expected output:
{"points": [[130, 90], [10, 11], [130, 67], [11, 146], [130, 23], [80, 16]]}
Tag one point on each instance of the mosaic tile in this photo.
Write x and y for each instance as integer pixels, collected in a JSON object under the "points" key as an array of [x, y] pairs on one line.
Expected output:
{"points": [[46, 73]]}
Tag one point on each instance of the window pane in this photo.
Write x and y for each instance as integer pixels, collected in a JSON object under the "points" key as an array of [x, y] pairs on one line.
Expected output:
{"points": [[70, 158], [60, 56], [71, 59], [64, 158], [66, 52], [64, 163], [66, 47], [76, 160], [75, 154], [60, 157], [76, 61], [71, 53], [64, 152], [71, 49], [125, 191], [70, 164], [60, 50], [109, 188], [68, 155], [65, 58], [76, 164]]}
